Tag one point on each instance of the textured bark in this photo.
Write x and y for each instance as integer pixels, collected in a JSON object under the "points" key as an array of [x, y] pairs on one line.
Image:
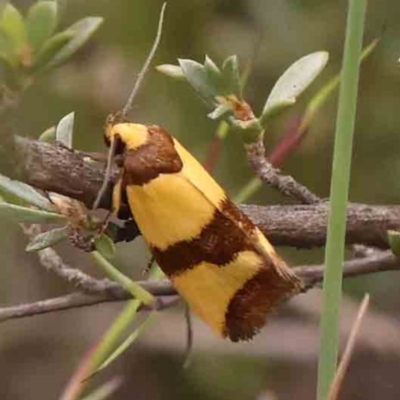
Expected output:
{"points": [[58, 169]]}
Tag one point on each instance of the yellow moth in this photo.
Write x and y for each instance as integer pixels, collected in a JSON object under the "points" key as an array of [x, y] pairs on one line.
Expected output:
{"points": [[216, 258]]}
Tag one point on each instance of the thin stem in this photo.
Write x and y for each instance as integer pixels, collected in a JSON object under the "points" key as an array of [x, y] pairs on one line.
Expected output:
{"points": [[146, 64], [334, 254]]}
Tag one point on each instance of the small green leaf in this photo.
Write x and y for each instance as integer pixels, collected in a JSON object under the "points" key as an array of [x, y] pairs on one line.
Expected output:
{"points": [[394, 242], [30, 215], [41, 22], [275, 110], [172, 71], [231, 77], [12, 23], [213, 72], [82, 31], [221, 111], [65, 130], [49, 135], [22, 194], [105, 246], [50, 49], [199, 80], [295, 80], [47, 239], [6, 48]]}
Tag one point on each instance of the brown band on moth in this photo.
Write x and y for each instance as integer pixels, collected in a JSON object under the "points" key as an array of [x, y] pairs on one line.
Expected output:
{"points": [[247, 311], [229, 209], [157, 156], [219, 243]]}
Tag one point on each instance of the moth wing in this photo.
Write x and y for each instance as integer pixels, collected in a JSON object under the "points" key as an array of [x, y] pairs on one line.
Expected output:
{"points": [[201, 180]]}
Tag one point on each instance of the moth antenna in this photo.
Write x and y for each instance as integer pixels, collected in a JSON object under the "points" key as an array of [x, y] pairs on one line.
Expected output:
{"points": [[107, 174], [128, 105], [149, 59]]}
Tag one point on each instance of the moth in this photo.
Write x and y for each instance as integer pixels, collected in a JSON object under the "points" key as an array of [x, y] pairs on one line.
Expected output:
{"points": [[216, 258]]}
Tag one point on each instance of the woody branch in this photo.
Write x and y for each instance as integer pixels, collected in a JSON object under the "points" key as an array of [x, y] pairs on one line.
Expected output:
{"points": [[108, 291], [56, 168]]}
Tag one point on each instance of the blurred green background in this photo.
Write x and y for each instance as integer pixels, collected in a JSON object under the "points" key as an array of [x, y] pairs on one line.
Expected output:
{"points": [[37, 356]]}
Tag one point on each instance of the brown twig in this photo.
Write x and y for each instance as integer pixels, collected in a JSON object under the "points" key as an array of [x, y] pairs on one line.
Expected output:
{"points": [[378, 262], [55, 168], [76, 300], [312, 275], [285, 184]]}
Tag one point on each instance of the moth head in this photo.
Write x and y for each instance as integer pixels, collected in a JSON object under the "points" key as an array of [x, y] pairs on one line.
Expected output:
{"points": [[124, 135]]}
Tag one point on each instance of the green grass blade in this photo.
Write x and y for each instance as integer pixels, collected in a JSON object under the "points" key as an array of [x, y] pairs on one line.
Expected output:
{"points": [[334, 254], [127, 342], [106, 390], [134, 288], [113, 335]]}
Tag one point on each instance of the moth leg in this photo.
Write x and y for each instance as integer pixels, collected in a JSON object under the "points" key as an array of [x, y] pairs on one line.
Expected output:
{"points": [[149, 265], [126, 233], [129, 231]]}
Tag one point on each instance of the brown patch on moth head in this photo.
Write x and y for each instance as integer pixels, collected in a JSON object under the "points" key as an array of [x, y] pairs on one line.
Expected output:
{"points": [[247, 311], [218, 243], [157, 156]]}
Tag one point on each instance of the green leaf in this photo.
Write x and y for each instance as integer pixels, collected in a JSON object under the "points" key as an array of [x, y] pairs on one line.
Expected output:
{"points": [[65, 130], [82, 32], [47, 239], [22, 194], [12, 23], [172, 71], [231, 77], [294, 81], [105, 246], [49, 135], [6, 48], [23, 214], [198, 78], [41, 22], [394, 242], [221, 111], [213, 72], [275, 110], [50, 49]]}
